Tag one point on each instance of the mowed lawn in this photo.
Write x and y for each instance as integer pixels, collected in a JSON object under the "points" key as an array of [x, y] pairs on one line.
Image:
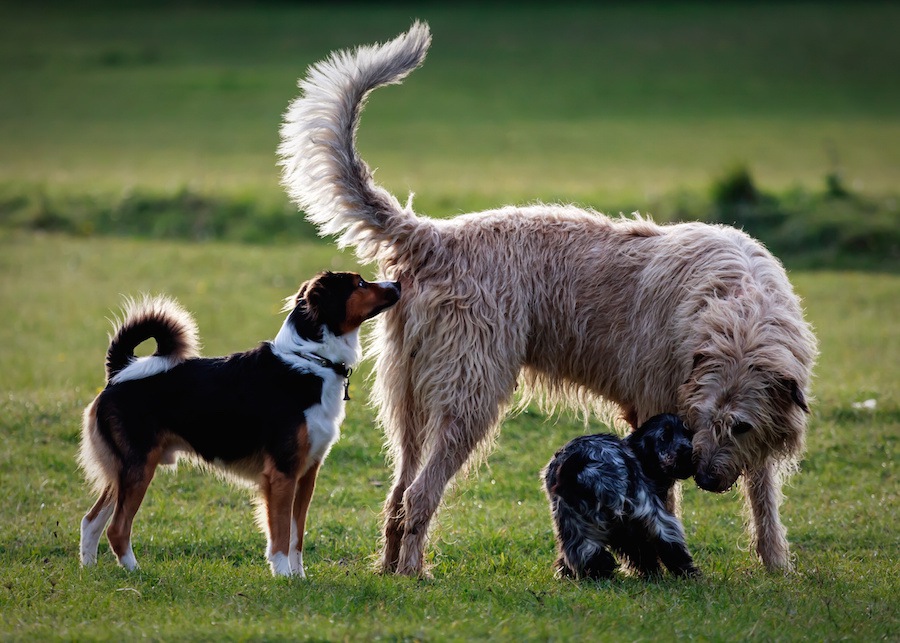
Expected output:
{"points": [[615, 106], [203, 574]]}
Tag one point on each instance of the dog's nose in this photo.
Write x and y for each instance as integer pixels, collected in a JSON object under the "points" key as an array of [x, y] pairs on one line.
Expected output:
{"points": [[709, 482], [391, 288]]}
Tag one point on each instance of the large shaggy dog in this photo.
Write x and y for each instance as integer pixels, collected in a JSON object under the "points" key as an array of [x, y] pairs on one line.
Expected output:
{"points": [[691, 319]]}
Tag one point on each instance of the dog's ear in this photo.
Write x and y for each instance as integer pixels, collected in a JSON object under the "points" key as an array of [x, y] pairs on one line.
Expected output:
{"points": [[699, 358], [797, 395], [795, 392], [292, 301], [312, 293]]}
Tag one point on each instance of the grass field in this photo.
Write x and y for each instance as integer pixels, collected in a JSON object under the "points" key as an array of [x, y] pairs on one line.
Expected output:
{"points": [[203, 573], [613, 106], [627, 105]]}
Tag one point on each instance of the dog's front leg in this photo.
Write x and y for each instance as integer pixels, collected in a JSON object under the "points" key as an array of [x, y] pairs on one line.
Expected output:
{"points": [[306, 485], [277, 490], [762, 490]]}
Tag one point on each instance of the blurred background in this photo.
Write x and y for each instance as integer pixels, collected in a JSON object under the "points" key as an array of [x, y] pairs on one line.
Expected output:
{"points": [[161, 119]]}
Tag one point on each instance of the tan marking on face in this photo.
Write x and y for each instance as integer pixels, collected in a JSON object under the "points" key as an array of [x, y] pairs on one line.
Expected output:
{"points": [[363, 302]]}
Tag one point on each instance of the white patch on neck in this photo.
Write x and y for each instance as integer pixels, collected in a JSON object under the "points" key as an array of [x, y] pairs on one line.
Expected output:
{"points": [[335, 348]]}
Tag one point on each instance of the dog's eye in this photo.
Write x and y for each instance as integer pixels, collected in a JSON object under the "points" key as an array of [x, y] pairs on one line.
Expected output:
{"points": [[362, 284], [741, 427]]}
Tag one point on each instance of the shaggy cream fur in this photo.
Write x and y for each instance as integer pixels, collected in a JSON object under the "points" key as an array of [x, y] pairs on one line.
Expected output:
{"points": [[576, 307]]}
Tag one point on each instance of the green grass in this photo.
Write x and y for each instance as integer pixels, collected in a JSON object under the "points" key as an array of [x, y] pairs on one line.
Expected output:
{"points": [[612, 106], [203, 574], [161, 122]]}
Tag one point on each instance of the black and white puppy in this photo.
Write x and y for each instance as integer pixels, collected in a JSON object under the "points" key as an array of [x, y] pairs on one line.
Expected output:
{"points": [[268, 416], [610, 494]]}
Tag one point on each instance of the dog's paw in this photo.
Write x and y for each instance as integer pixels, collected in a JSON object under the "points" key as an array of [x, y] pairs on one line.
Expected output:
{"points": [[280, 564], [128, 561]]}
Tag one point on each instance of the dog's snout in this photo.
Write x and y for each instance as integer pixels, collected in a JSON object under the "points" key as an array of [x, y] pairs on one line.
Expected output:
{"points": [[391, 287], [709, 482]]}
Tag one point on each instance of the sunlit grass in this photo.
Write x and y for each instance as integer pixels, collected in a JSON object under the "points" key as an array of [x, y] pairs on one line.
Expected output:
{"points": [[616, 106], [203, 573]]}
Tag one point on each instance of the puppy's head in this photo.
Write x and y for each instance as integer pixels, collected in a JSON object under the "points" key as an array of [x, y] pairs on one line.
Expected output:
{"points": [[340, 302], [663, 446]]}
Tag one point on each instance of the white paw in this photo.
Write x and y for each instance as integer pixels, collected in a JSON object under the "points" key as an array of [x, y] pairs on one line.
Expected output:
{"points": [[280, 564], [128, 561], [296, 560]]}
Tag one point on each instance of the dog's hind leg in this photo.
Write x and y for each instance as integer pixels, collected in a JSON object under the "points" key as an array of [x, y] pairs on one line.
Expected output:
{"points": [[306, 485], [580, 556], [133, 484], [403, 419], [93, 524], [455, 441], [762, 490], [406, 467]]}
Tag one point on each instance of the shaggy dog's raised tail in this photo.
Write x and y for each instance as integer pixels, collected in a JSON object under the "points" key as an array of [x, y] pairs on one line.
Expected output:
{"points": [[321, 167]]}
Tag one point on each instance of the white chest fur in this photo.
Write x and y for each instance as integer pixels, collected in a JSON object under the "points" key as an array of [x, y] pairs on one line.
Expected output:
{"points": [[323, 420]]}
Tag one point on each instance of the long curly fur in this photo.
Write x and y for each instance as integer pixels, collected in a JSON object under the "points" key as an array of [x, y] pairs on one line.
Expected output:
{"points": [[573, 306]]}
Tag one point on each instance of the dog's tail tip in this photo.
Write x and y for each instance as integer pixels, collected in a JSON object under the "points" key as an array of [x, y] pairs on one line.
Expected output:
{"points": [[417, 40], [321, 167]]}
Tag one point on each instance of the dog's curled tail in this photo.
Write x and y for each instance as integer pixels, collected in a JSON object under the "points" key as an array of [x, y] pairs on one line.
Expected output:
{"points": [[159, 318], [321, 167]]}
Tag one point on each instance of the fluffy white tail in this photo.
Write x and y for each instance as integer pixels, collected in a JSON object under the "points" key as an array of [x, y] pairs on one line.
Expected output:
{"points": [[321, 167]]}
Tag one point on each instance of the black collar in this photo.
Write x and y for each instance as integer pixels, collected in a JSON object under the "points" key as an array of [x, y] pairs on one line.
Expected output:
{"points": [[338, 367]]}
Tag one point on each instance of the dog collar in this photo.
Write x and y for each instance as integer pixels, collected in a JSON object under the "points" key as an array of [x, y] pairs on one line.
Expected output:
{"points": [[338, 367]]}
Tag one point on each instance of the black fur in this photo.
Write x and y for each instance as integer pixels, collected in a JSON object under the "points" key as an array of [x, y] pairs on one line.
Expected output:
{"points": [[225, 408], [608, 495]]}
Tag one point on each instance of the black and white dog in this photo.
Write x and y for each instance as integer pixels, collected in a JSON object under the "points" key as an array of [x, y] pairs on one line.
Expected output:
{"points": [[610, 494], [268, 416]]}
